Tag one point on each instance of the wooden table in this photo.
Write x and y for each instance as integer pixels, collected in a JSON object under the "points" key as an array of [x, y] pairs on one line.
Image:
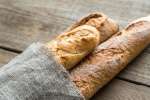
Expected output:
{"points": [[25, 21]]}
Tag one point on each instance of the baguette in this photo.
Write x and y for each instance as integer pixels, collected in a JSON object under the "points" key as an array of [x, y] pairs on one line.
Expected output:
{"points": [[81, 38], [109, 58]]}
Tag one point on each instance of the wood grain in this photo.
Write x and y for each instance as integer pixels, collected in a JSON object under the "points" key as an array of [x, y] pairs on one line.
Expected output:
{"points": [[115, 90], [138, 70], [26, 21], [6, 56], [20, 27], [122, 90]]}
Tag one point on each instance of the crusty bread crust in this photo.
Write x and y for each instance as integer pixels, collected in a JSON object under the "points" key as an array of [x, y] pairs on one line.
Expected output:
{"points": [[81, 38], [109, 58]]}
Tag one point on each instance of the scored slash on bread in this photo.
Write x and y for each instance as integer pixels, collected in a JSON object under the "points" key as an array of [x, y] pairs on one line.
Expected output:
{"points": [[70, 47], [110, 57]]}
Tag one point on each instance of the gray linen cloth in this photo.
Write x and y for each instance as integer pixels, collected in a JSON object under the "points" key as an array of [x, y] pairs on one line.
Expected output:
{"points": [[35, 75]]}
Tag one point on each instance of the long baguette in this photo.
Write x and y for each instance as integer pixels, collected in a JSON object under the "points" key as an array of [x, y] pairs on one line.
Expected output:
{"points": [[74, 44], [109, 58]]}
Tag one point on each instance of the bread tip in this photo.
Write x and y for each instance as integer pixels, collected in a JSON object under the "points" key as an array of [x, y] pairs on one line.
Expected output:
{"points": [[147, 18]]}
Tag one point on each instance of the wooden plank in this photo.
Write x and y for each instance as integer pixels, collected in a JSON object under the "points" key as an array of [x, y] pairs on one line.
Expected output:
{"points": [[23, 22], [115, 90], [122, 90], [20, 27], [27, 21], [138, 70], [6, 56]]}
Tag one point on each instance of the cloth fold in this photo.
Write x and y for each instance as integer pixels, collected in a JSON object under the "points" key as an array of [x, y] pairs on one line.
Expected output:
{"points": [[35, 75]]}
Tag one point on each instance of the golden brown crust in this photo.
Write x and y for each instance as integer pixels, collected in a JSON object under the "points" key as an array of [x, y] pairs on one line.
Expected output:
{"points": [[81, 38], [109, 58]]}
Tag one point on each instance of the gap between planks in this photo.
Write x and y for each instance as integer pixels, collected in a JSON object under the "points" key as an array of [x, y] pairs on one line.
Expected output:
{"points": [[117, 89], [16, 52], [30, 21]]}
